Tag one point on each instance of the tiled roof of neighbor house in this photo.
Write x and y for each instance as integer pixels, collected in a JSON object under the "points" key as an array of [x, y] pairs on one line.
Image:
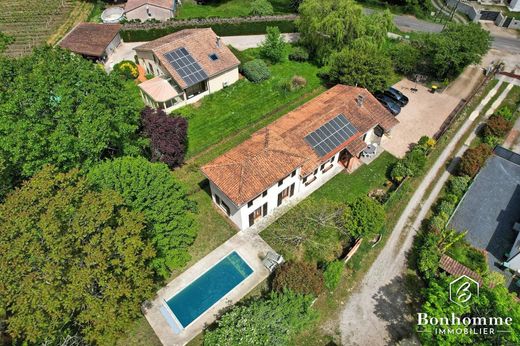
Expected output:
{"points": [[200, 43], [90, 38], [275, 151], [133, 4], [455, 268], [159, 89]]}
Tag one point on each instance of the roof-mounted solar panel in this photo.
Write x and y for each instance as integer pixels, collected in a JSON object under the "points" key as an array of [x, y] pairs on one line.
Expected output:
{"points": [[330, 135], [189, 70]]}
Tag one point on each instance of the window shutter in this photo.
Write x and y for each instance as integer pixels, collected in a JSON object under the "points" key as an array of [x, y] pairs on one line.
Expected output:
{"points": [[292, 190], [264, 212], [279, 199], [251, 219]]}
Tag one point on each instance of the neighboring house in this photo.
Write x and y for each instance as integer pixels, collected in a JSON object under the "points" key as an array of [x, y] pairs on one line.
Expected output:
{"points": [[490, 211], [296, 153], [93, 41], [187, 66], [144, 10]]}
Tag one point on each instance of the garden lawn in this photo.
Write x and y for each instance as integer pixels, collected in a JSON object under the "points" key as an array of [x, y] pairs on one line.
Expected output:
{"points": [[226, 112], [227, 8]]}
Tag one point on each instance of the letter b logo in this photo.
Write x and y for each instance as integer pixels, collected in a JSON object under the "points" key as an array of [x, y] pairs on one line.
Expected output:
{"points": [[463, 290]]}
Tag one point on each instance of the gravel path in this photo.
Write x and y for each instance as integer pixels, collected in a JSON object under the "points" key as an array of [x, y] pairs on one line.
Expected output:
{"points": [[379, 312]]}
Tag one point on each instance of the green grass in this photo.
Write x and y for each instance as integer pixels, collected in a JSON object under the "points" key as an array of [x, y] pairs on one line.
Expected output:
{"points": [[95, 15], [226, 112], [346, 187], [225, 8]]}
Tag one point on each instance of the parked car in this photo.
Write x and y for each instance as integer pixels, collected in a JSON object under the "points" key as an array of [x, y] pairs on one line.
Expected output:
{"points": [[398, 96], [389, 103]]}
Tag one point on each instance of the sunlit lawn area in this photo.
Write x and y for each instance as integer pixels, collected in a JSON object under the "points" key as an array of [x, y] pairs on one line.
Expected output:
{"points": [[225, 8], [219, 115]]}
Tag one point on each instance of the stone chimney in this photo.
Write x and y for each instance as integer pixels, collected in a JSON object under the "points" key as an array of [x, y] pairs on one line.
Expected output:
{"points": [[360, 99], [218, 41]]}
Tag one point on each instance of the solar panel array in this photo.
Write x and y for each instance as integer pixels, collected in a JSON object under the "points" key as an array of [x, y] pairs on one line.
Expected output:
{"points": [[329, 136], [189, 70]]}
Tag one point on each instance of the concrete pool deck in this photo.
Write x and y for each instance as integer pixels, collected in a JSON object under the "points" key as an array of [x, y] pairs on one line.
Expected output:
{"points": [[249, 246]]}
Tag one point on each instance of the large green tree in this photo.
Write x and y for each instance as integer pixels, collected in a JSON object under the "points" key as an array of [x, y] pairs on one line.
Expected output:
{"points": [[72, 261], [150, 188], [364, 216], [363, 64], [270, 321], [58, 108]]}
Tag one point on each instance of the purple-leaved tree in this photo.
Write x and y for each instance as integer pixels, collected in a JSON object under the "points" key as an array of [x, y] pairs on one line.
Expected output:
{"points": [[168, 136]]}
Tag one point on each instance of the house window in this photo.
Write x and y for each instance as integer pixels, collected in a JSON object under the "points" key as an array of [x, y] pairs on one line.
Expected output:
{"points": [[213, 57], [280, 182], [293, 174], [286, 193], [322, 166], [304, 180], [249, 204], [264, 193], [222, 205], [257, 214], [315, 171]]}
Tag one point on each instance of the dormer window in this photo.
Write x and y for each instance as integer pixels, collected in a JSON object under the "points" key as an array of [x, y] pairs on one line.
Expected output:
{"points": [[213, 57]]}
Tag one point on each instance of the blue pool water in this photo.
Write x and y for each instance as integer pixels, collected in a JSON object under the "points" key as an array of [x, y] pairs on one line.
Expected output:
{"points": [[205, 291]]}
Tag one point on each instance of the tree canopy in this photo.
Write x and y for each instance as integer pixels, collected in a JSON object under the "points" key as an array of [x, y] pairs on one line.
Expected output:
{"points": [[150, 188], [274, 47], [363, 64], [270, 321], [364, 216], [73, 260], [58, 108]]}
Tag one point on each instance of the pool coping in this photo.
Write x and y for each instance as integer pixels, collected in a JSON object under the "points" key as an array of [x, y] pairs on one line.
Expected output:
{"points": [[196, 278], [249, 246]]}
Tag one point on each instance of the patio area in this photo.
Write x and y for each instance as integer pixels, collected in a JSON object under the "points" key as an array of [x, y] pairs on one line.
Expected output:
{"points": [[249, 246]]}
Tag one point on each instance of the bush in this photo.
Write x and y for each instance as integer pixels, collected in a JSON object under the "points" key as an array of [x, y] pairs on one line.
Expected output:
{"points": [[299, 54], [458, 185], [256, 71], [261, 8], [168, 136], [473, 159], [364, 216], [505, 112], [332, 274], [497, 126], [299, 277], [492, 141], [273, 48], [127, 69], [405, 58], [412, 164], [451, 198], [295, 83], [436, 224], [445, 207]]}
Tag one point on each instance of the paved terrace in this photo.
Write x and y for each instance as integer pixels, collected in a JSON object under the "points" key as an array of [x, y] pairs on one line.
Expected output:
{"points": [[249, 246]]}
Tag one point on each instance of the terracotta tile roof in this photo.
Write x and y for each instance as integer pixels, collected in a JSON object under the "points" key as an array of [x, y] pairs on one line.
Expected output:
{"points": [[200, 43], [356, 146], [455, 268], [90, 38], [133, 4], [275, 151]]}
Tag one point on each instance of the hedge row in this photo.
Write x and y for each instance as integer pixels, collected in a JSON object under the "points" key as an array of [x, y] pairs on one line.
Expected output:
{"points": [[246, 28]]}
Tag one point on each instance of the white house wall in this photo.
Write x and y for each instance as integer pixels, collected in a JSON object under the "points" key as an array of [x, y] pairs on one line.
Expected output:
{"points": [[227, 78], [113, 45], [141, 13], [240, 216]]}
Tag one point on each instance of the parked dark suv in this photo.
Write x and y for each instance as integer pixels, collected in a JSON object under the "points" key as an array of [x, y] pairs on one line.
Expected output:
{"points": [[398, 96], [389, 103]]}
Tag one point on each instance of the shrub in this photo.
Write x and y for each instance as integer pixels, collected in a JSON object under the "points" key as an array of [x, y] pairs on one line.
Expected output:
{"points": [[458, 185], [436, 224], [411, 165], [299, 54], [127, 69], [261, 8], [295, 83], [274, 47], [473, 159], [299, 277], [405, 58], [168, 136], [505, 112], [364, 216], [492, 141], [451, 198], [445, 207], [256, 71], [332, 274], [497, 126]]}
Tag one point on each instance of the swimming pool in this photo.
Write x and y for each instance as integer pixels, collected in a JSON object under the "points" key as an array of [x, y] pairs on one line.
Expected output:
{"points": [[209, 288]]}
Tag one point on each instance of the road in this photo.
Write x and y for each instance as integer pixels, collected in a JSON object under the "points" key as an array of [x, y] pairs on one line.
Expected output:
{"points": [[379, 312]]}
